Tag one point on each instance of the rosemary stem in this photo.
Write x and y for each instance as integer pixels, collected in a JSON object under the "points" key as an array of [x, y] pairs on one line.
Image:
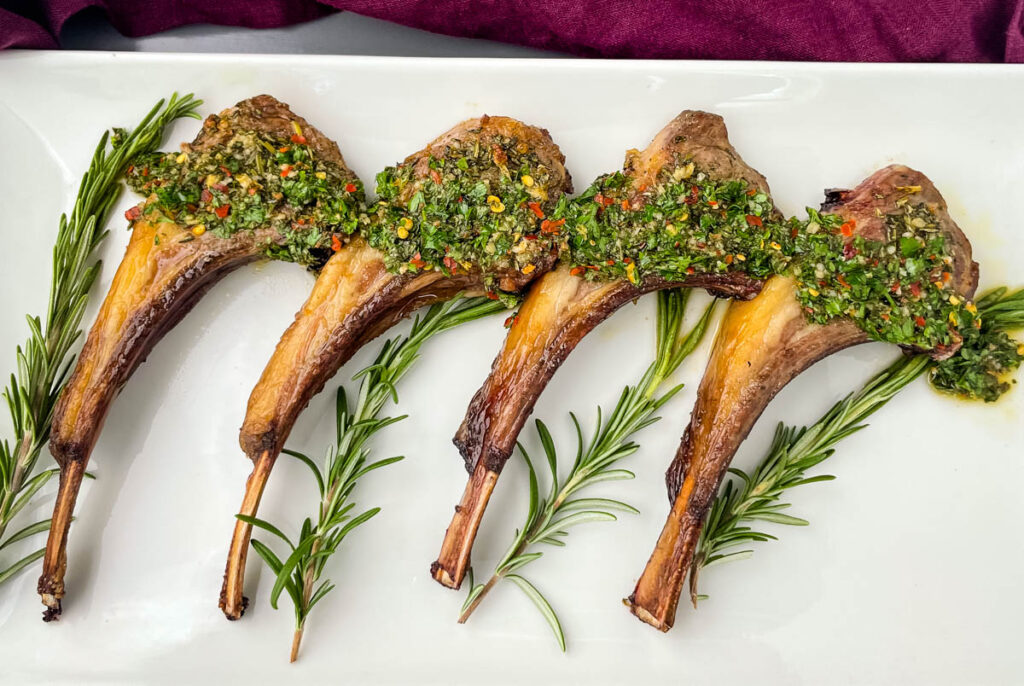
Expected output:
{"points": [[22, 464], [495, 578], [296, 641]]}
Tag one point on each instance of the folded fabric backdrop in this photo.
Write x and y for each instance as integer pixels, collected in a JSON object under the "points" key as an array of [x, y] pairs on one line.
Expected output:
{"points": [[835, 30]]}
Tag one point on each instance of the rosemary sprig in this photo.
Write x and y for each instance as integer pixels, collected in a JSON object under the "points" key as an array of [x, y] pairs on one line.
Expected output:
{"points": [[550, 517], [45, 360], [299, 574], [757, 497]]}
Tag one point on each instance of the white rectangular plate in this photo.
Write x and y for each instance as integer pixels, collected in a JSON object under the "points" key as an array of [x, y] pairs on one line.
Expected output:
{"points": [[909, 573]]}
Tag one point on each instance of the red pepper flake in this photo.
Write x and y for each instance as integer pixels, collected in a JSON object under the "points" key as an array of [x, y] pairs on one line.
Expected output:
{"points": [[223, 210], [946, 276], [842, 279], [133, 214], [417, 261], [335, 243], [511, 321], [754, 220], [535, 208], [548, 226], [593, 267], [145, 171], [752, 192], [847, 228], [576, 271], [919, 320], [728, 259], [286, 170], [530, 236], [283, 149], [435, 176], [627, 260], [491, 295], [625, 204], [884, 316], [713, 203], [298, 139], [131, 168], [227, 172], [610, 263], [350, 188], [690, 270]]}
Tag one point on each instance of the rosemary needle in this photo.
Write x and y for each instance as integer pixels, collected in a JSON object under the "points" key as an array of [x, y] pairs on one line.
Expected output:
{"points": [[549, 517], [299, 572], [44, 361]]}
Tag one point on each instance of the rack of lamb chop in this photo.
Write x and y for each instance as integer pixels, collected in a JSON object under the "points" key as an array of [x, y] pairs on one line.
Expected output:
{"points": [[258, 181], [463, 215], [685, 212], [764, 343]]}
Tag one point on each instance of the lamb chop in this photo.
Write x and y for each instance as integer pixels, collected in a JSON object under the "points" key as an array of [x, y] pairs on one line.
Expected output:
{"points": [[797, 320], [687, 211], [257, 181], [462, 215]]}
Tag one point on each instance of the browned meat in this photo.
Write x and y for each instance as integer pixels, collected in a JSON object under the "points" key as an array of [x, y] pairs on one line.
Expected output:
{"points": [[558, 312], [158, 281], [760, 347], [355, 299]]}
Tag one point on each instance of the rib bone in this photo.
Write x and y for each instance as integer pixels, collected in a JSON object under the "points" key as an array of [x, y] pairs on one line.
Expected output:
{"points": [[158, 281], [761, 346], [557, 313], [355, 299]]}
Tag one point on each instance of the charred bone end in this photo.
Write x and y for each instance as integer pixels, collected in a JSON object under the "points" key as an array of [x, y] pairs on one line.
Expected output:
{"points": [[645, 616], [450, 567]]}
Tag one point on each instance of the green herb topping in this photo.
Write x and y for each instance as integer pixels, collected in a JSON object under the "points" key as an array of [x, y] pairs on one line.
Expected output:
{"points": [[896, 290], [479, 206], [250, 182], [686, 223], [980, 369]]}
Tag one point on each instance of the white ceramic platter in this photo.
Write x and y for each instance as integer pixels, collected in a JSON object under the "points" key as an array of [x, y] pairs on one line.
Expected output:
{"points": [[909, 573]]}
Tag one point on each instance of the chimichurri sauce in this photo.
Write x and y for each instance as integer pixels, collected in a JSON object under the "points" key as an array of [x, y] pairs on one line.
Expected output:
{"points": [[252, 182], [481, 206]]}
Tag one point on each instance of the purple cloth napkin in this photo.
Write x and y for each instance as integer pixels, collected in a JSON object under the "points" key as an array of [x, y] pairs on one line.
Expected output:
{"points": [[835, 30]]}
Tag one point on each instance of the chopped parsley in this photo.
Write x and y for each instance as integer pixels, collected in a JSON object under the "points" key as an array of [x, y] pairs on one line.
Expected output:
{"points": [[252, 182], [896, 290], [482, 205], [686, 223], [980, 370]]}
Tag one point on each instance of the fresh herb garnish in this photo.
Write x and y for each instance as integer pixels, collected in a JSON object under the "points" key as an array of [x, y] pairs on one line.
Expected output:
{"points": [[299, 572], [46, 359], [249, 182], [549, 518], [687, 223], [757, 497], [979, 370], [897, 290], [483, 205]]}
